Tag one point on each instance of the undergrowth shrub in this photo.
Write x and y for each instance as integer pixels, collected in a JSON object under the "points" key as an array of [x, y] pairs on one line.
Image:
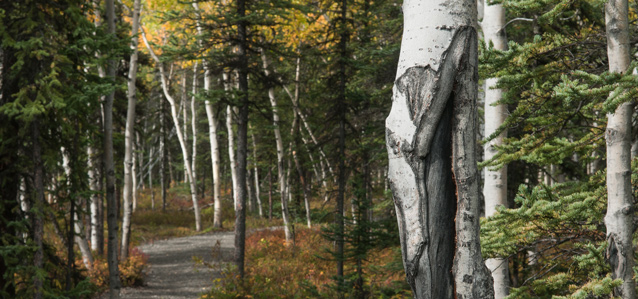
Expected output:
{"points": [[275, 269], [132, 270]]}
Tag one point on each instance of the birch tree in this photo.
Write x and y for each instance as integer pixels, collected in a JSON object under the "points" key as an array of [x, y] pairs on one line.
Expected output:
{"points": [[214, 146], [180, 137], [430, 137], [495, 183], [281, 173], [129, 187], [620, 205]]}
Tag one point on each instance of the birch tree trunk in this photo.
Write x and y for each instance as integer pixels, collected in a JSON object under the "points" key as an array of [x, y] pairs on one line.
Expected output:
{"points": [[78, 227], [129, 134], [434, 115], [94, 199], [212, 131], [180, 136], [231, 152], [215, 156], [194, 128], [495, 185], [256, 176], [162, 153], [280, 154], [620, 210]]}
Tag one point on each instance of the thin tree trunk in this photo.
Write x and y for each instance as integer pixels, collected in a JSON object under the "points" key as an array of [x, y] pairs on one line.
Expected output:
{"points": [[295, 101], [256, 170], [150, 183], [280, 154], [304, 186], [109, 167], [215, 158], [100, 208], [38, 207], [269, 193], [129, 135], [87, 257], [162, 152], [251, 201], [194, 125], [242, 139], [620, 211], [495, 185], [134, 171], [231, 151], [180, 136], [341, 110], [434, 114], [212, 132], [70, 258], [94, 198]]}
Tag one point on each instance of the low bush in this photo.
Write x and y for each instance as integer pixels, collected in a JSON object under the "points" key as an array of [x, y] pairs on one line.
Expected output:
{"points": [[275, 269], [131, 270]]}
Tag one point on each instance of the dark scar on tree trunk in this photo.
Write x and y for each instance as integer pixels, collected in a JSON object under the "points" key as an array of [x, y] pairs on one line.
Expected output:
{"points": [[429, 97]]}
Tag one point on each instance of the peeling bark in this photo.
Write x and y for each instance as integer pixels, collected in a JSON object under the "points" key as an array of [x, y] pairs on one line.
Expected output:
{"points": [[430, 137]]}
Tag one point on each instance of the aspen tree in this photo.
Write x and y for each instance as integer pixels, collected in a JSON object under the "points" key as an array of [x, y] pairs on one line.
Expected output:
{"points": [[180, 136], [620, 205], [430, 136], [495, 184], [283, 187], [129, 187]]}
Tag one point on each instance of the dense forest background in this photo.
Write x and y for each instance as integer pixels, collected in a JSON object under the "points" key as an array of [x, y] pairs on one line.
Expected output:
{"points": [[117, 116]]}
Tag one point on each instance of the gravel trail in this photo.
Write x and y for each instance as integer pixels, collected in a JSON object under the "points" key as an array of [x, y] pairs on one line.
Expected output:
{"points": [[172, 271]]}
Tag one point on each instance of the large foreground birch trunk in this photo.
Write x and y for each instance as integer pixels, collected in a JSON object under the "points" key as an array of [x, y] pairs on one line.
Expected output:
{"points": [[431, 142], [620, 210]]}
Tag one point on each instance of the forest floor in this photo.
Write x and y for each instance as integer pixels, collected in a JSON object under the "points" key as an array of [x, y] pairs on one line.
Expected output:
{"points": [[175, 267]]}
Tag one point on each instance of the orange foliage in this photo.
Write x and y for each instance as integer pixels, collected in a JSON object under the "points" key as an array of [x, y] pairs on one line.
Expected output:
{"points": [[275, 269], [131, 270]]}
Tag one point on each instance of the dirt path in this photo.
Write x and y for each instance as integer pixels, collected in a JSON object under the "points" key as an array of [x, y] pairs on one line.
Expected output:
{"points": [[173, 272]]}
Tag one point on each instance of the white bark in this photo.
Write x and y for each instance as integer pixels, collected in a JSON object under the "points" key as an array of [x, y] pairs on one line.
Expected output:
{"points": [[180, 136], [620, 205], [194, 126], [322, 155], [256, 171], [231, 152], [87, 257], [94, 199], [212, 131], [128, 136], [495, 185], [434, 114], [280, 154], [184, 111]]}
